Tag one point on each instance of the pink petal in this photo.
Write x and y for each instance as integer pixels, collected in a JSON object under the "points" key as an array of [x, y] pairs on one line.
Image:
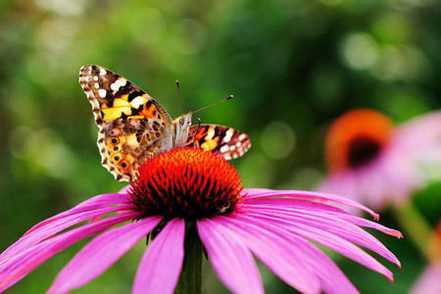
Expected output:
{"points": [[333, 224], [418, 132], [378, 183], [281, 256], [327, 239], [52, 228], [100, 201], [417, 141], [97, 256], [308, 206], [125, 189], [231, 259], [332, 280], [293, 203], [429, 282], [162, 262], [18, 266], [251, 194], [90, 209]]}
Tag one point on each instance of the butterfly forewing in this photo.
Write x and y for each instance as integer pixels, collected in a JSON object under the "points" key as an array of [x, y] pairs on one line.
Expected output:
{"points": [[228, 142], [132, 125]]}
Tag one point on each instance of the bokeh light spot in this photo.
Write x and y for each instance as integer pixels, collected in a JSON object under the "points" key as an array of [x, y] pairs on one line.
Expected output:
{"points": [[360, 51], [277, 140]]}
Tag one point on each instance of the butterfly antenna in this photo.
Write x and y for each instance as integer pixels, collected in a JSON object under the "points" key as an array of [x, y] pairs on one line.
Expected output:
{"points": [[178, 93], [198, 121], [223, 100]]}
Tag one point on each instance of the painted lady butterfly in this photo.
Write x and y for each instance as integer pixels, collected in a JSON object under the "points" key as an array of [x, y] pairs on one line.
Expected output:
{"points": [[133, 126]]}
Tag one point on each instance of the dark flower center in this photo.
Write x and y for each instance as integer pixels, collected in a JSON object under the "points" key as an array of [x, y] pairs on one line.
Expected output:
{"points": [[186, 183], [357, 138], [362, 150]]}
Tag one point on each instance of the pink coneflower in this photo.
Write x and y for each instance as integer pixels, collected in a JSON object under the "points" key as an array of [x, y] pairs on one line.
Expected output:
{"points": [[429, 281], [189, 186], [376, 163]]}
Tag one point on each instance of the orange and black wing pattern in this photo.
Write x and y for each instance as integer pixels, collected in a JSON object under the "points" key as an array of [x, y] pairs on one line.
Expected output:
{"points": [[132, 125], [228, 142]]}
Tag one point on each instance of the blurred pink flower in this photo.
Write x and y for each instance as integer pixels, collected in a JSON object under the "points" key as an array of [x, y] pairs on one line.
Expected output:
{"points": [[376, 163], [430, 280], [281, 228]]}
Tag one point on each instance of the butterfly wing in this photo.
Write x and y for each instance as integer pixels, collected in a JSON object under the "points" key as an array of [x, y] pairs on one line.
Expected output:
{"points": [[228, 142], [132, 125]]}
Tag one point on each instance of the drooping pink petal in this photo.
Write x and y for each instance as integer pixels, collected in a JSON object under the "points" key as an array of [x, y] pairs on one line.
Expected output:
{"points": [[16, 267], [308, 206], [52, 228], [282, 257], [231, 259], [333, 224], [377, 184], [162, 263], [325, 238], [97, 256], [293, 203], [331, 279], [250, 194], [97, 202]]}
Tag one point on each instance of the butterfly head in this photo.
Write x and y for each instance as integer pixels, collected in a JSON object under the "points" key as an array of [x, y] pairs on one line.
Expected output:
{"points": [[182, 126]]}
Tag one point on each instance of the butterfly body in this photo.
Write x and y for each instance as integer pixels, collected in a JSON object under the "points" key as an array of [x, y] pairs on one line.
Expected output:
{"points": [[133, 126]]}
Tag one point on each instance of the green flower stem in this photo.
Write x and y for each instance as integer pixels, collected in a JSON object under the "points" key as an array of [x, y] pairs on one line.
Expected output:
{"points": [[414, 225], [190, 280]]}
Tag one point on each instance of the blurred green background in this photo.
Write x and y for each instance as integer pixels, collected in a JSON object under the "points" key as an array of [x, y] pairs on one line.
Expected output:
{"points": [[294, 65]]}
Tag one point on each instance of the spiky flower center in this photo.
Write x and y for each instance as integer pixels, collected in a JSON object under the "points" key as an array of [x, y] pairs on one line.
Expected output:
{"points": [[186, 183], [356, 139]]}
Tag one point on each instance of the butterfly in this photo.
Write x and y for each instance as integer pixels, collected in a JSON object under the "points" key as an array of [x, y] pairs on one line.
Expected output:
{"points": [[133, 126]]}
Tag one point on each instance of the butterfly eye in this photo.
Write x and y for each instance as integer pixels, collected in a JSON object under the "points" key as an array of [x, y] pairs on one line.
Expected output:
{"points": [[181, 121]]}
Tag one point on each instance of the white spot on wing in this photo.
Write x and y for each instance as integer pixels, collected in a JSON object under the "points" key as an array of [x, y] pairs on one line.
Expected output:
{"points": [[224, 149], [242, 137], [228, 135], [102, 71], [102, 93], [121, 82], [138, 101]]}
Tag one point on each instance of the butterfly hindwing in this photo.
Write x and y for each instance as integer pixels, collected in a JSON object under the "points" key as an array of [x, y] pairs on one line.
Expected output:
{"points": [[132, 125], [228, 142]]}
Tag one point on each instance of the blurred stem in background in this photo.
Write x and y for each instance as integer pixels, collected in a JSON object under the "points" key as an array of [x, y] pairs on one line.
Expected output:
{"points": [[190, 280], [415, 226]]}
